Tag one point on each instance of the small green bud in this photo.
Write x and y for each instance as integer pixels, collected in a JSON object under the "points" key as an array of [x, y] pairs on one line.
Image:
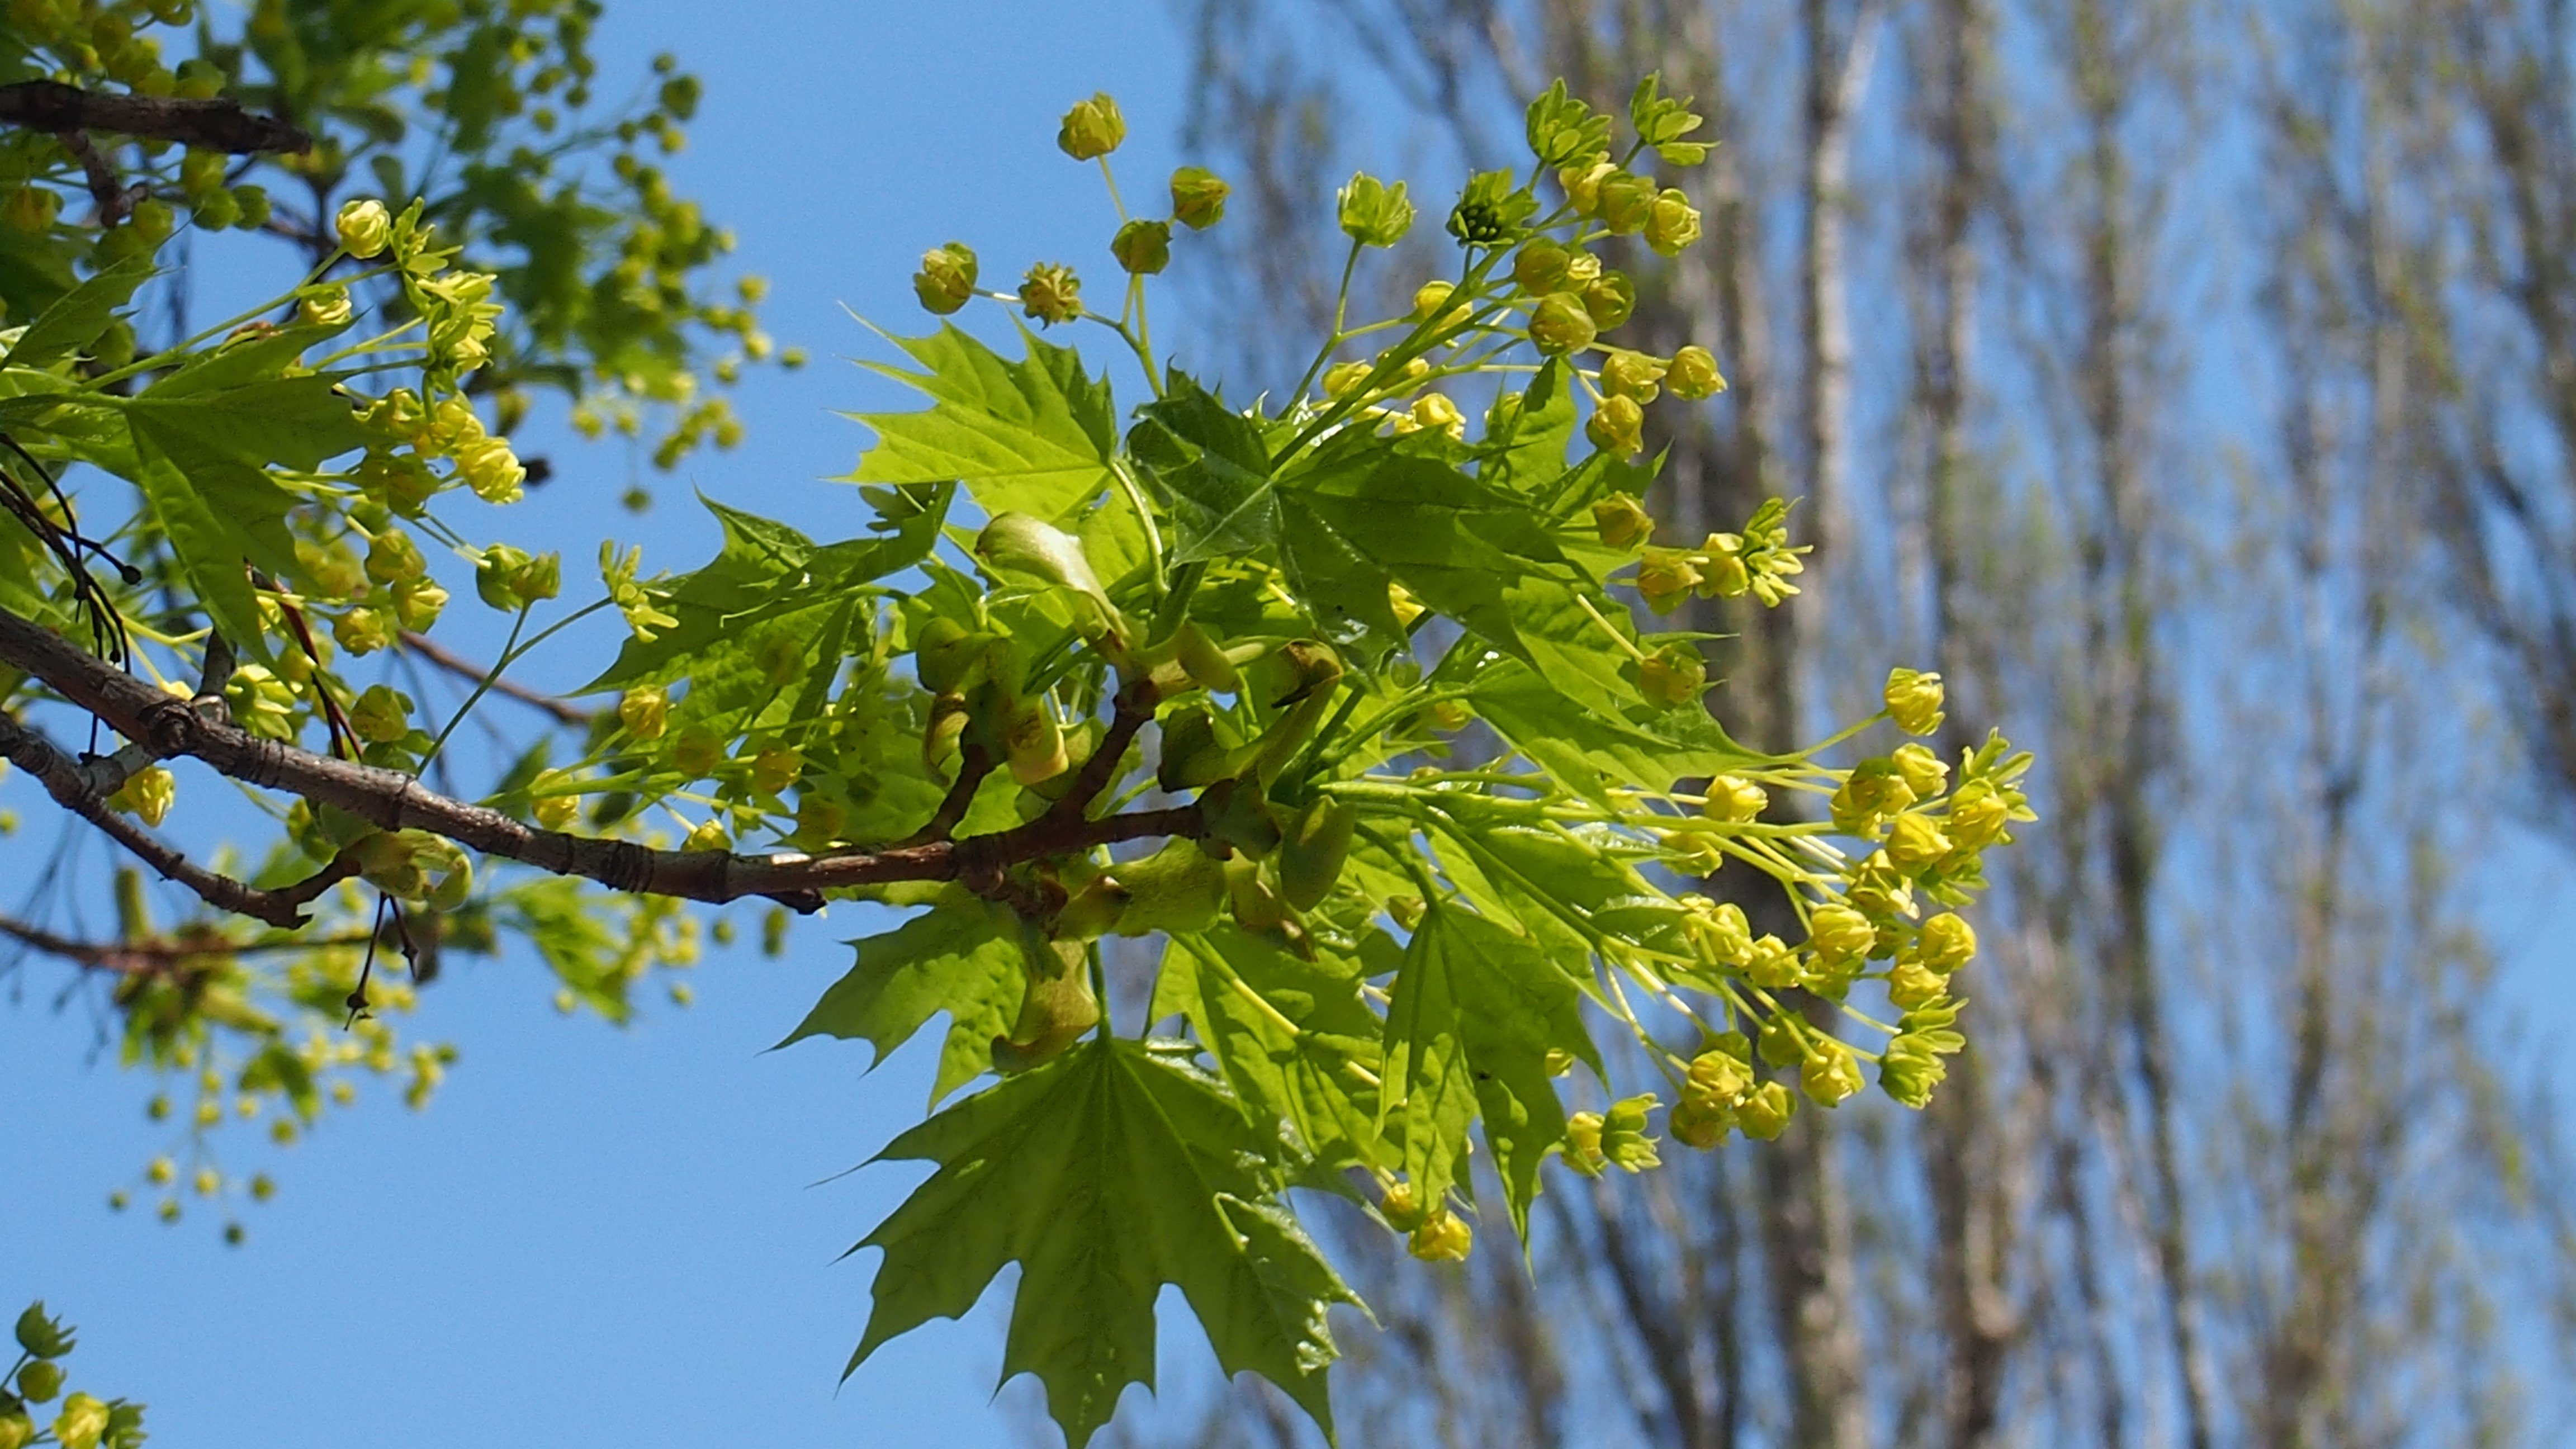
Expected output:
{"points": [[1946, 943], [1617, 426], [380, 715], [15, 1429], [775, 768], [1142, 247], [81, 1423], [1693, 374], [1561, 324], [365, 228], [38, 1382], [1839, 933], [1771, 964], [1402, 1211], [1539, 267], [1631, 374], [147, 795], [1665, 576], [1051, 293], [1671, 222], [1443, 1237], [1830, 1072], [946, 280], [1092, 129], [1912, 984], [1626, 201], [1373, 213], [1610, 299], [644, 712], [392, 558], [1913, 700], [1198, 197], [1673, 676], [1916, 843], [1622, 521], [1734, 799], [1921, 770], [1765, 1114]]}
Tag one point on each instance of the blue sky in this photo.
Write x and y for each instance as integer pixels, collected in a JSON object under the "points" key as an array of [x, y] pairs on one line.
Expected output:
{"points": [[593, 1235]]}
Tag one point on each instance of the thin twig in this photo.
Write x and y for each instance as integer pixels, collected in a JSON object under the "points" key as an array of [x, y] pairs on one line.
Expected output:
{"points": [[207, 125], [145, 958], [466, 669]]}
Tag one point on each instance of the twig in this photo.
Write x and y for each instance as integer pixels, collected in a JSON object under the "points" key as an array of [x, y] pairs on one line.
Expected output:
{"points": [[69, 785], [974, 763], [390, 800], [207, 125], [145, 958], [467, 669]]}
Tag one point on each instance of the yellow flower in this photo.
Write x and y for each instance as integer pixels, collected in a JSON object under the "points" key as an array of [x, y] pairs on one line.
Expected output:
{"points": [[365, 228], [1623, 522], [1093, 128], [1734, 799], [1913, 700], [1693, 374]]}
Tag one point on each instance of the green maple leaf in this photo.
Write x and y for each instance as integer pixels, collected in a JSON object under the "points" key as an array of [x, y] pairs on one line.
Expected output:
{"points": [[1475, 1010], [1106, 1174], [962, 956], [1287, 1034], [1033, 436]]}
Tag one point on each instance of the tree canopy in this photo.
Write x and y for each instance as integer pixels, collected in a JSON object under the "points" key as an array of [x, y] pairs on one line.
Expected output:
{"points": [[1335, 702]]}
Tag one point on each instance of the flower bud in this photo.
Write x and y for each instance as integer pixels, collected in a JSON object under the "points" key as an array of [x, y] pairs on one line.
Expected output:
{"points": [[1839, 933], [1198, 198], [15, 1428], [1719, 933], [1666, 577], [1718, 1075], [1916, 843], [1673, 676], [1430, 298], [1617, 426], [554, 812], [1622, 521], [1830, 1073], [946, 280], [1978, 815], [708, 836], [1051, 293], [1341, 377], [1946, 943], [1143, 247], [363, 631], [489, 468], [1033, 743], [1872, 791], [1631, 374], [1443, 1237], [697, 752], [1373, 213], [1734, 799], [1561, 325], [1583, 185], [38, 1382], [1911, 984], [1765, 1114], [1626, 201], [147, 794], [775, 768], [326, 307], [1583, 1144], [1399, 1207], [644, 712], [380, 715], [393, 558], [365, 228], [1921, 770], [1693, 374], [1437, 413], [1671, 222], [418, 603], [1913, 700], [1610, 298], [81, 1422], [1771, 964], [1093, 128], [1701, 1125], [1539, 267]]}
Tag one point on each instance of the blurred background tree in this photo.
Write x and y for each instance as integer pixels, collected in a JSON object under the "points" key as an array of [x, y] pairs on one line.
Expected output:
{"points": [[2196, 382]]}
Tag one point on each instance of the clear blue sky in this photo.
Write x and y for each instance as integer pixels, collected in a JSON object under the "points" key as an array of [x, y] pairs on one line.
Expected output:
{"points": [[597, 1236]]}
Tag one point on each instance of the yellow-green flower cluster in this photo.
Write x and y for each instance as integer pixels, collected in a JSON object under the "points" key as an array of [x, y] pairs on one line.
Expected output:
{"points": [[1758, 561]]}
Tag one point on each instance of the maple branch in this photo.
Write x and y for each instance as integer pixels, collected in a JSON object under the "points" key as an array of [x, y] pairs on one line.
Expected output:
{"points": [[466, 669], [71, 788], [207, 125], [145, 958], [391, 800]]}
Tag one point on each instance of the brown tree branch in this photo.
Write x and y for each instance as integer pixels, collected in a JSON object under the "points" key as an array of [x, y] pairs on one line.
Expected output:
{"points": [[69, 785], [207, 125], [391, 800], [466, 669], [145, 958]]}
